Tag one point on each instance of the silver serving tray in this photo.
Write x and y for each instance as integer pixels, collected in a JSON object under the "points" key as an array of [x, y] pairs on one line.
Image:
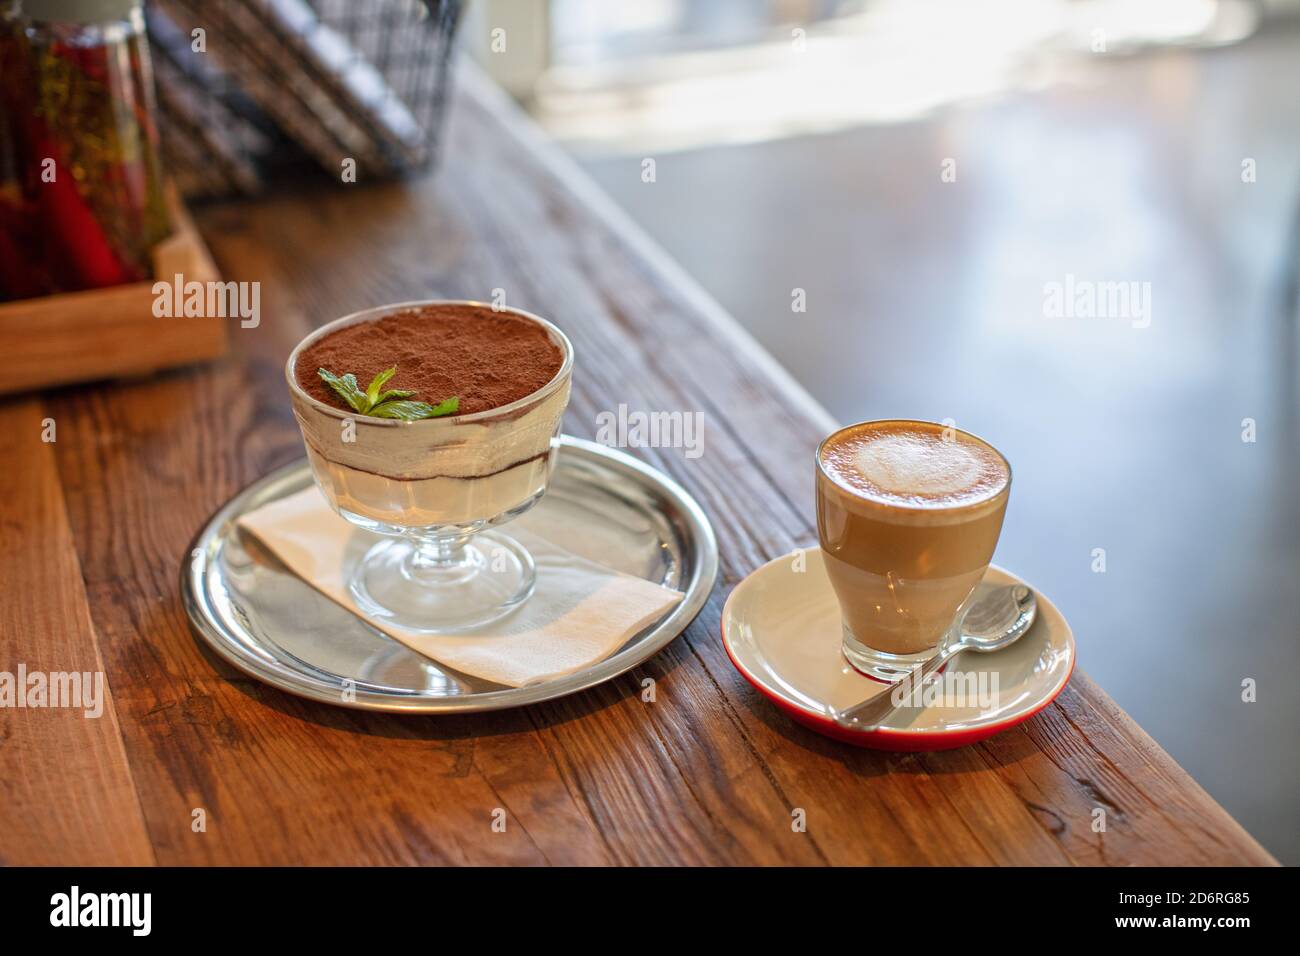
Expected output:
{"points": [[601, 504]]}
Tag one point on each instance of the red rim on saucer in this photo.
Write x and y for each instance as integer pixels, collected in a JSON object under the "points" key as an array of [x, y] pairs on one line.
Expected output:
{"points": [[781, 629]]}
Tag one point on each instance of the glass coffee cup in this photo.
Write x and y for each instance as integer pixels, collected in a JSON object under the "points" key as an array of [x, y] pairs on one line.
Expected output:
{"points": [[908, 516], [436, 489]]}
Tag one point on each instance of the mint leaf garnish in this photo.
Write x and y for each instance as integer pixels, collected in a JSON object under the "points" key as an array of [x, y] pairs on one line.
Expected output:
{"points": [[407, 411], [376, 383], [393, 403], [446, 407], [347, 389], [413, 411]]}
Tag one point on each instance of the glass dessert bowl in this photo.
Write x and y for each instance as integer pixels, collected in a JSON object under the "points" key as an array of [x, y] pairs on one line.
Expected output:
{"points": [[436, 488]]}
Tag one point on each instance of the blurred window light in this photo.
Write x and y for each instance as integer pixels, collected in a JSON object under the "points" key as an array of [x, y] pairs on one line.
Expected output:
{"points": [[676, 74]]}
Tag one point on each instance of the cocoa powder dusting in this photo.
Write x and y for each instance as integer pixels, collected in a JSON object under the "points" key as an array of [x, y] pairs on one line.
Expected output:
{"points": [[487, 358]]}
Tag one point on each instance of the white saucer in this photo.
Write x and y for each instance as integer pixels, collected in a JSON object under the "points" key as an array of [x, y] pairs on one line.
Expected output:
{"points": [[781, 628]]}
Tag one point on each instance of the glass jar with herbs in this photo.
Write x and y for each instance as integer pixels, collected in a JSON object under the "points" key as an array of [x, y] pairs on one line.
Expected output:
{"points": [[81, 193]]}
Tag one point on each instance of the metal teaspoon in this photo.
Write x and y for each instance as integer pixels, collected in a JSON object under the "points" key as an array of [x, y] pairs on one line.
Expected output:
{"points": [[999, 617]]}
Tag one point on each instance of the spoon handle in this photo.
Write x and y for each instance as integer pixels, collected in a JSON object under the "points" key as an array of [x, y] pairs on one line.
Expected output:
{"points": [[870, 713]]}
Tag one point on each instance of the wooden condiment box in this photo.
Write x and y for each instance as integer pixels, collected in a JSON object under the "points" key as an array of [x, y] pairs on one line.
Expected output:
{"points": [[112, 332]]}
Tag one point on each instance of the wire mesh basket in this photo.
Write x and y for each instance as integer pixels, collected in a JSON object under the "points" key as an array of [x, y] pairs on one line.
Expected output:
{"points": [[252, 92]]}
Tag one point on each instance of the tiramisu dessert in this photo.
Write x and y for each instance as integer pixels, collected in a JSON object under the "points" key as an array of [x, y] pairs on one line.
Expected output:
{"points": [[428, 422], [431, 415]]}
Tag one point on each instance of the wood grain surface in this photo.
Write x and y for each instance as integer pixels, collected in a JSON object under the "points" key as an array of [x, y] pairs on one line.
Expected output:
{"points": [[97, 524]]}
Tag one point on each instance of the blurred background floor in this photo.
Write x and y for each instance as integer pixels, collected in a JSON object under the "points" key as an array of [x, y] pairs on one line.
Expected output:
{"points": [[804, 146]]}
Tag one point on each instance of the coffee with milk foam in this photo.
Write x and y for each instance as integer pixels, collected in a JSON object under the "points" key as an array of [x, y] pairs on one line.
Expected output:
{"points": [[911, 464], [908, 516]]}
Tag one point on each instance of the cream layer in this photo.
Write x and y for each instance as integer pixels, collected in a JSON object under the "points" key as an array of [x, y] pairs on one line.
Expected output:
{"points": [[426, 502], [432, 472]]}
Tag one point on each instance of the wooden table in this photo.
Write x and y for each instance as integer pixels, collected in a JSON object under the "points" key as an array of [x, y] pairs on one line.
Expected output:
{"points": [[96, 526]]}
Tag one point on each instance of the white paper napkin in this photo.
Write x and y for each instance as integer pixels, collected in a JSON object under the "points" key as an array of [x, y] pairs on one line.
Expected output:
{"points": [[579, 613]]}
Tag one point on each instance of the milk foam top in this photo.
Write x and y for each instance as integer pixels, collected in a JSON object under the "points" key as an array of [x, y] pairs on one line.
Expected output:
{"points": [[914, 465]]}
